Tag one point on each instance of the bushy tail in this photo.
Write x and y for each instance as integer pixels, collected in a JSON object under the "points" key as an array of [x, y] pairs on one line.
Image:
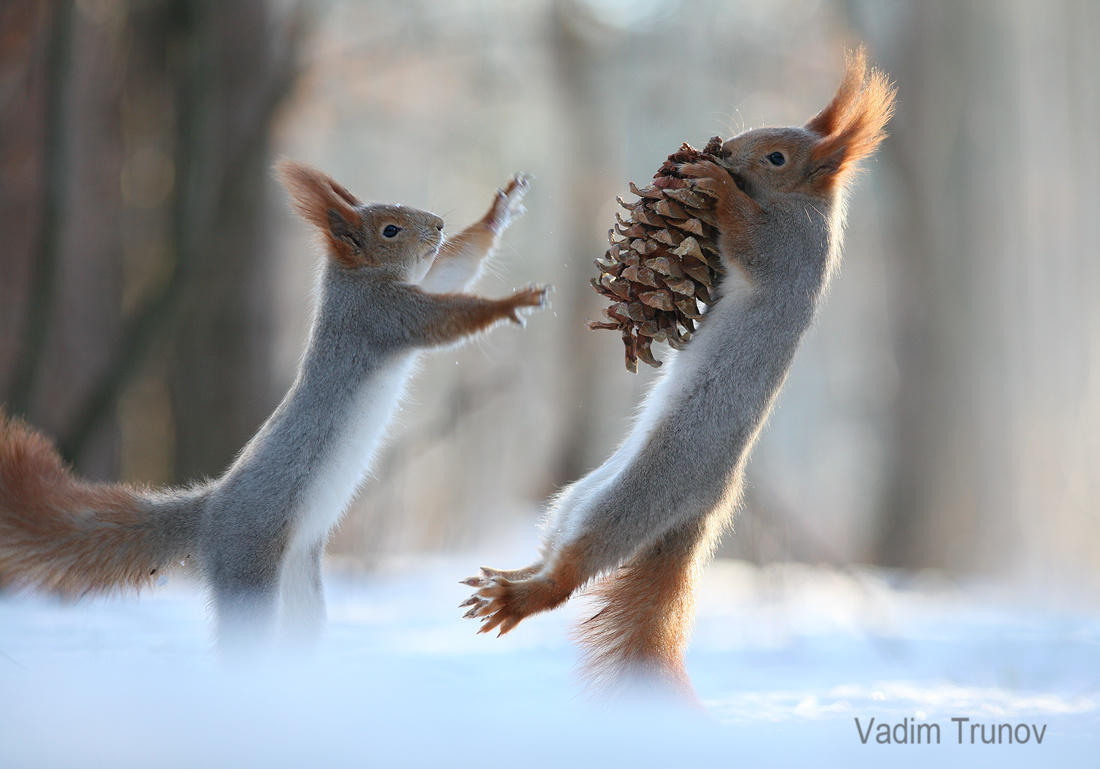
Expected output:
{"points": [[646, 611], [68, 536]]}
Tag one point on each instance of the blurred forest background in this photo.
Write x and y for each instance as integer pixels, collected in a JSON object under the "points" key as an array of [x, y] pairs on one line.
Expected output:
{"points": [[944, 413]]}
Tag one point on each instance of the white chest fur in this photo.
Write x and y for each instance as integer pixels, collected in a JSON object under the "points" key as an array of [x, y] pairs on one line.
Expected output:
{"points": [[347, 460], [571, 506], [680, 369]]}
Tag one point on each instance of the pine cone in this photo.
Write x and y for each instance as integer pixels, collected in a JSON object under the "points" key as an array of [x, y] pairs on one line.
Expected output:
{"points": [[663, 259]]}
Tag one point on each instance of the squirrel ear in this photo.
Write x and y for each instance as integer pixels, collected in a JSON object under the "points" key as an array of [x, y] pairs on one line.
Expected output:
{"points": [[828, 121], [853, 124], [327, 205]]}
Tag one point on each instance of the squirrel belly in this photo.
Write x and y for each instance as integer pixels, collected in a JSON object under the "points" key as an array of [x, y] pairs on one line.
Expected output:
{"points": [[679, 476], [354, 448], [299, 473], [274, 508], [685, 453]]}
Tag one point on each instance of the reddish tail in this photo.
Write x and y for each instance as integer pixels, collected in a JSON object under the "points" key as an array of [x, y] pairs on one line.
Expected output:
{"points": [[647, 608], [72, 537]]}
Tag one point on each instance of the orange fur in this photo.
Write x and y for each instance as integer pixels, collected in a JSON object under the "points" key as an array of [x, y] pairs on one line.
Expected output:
{"points": [[319, 198], [63, 534], [480, 237], [853, 124], [477, 238], [738, 216], [505, 598], [343, 192], [450, 317], [646, 611]]}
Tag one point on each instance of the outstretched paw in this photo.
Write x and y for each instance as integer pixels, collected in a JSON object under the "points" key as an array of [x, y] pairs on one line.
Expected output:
{"points": [[508, 203], [526, 298], [504, 598]]}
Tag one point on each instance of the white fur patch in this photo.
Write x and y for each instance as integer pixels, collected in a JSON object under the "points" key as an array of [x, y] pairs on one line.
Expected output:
{"points": [[348, 459], [571, 507]]}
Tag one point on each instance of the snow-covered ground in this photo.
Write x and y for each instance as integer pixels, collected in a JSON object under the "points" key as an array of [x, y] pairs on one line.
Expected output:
{"points": [[784, 658]]}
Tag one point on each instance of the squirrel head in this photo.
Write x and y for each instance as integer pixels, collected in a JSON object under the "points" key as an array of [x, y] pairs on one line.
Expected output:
{"points": [[784, 173], [819, 159], [394, 239]]}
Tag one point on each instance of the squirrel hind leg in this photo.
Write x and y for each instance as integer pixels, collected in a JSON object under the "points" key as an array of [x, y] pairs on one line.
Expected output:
{"points": [[244, 580], [645, 610], [502, 599], [301, 599]]}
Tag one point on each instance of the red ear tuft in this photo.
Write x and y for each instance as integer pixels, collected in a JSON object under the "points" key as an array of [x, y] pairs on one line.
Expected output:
{"points": [[853, 124], [855, 72], [327, 205]]}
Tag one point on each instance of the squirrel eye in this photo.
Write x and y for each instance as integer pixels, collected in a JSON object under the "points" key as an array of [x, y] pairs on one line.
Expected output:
{"points": [[390, 231], [776, 158]]}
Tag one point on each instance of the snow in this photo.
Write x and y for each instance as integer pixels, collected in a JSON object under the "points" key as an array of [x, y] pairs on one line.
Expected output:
{"points": [[784, 659]]}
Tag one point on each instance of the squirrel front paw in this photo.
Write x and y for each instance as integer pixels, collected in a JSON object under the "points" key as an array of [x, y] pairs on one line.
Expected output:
{"points": [[508, 203], [734, 208], [711, 177], [529, 297]]}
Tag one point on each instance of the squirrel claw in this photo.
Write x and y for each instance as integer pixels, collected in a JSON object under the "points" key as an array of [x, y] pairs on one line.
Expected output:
{"points": [[484, 609], [490, 623], [519, 182], [507, 625], [477, 610], [504, 622]]}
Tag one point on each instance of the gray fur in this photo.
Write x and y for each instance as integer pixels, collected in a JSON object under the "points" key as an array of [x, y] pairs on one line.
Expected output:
{"points": [[720, 391]]}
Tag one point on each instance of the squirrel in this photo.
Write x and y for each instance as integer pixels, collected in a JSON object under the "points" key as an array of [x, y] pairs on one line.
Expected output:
{"points": [[650, 516], [257, 532]]}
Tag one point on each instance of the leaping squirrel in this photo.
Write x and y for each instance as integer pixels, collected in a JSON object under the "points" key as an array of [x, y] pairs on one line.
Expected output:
{"points": [[258, 531], [650, 516]]}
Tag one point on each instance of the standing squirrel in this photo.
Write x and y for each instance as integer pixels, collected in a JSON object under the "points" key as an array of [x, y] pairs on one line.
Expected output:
{"points": [[259, 530], [650, 516]]}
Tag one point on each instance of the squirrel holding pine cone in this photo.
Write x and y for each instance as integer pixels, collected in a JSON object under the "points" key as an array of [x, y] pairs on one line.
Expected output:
{"points": [[762, 215]]}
